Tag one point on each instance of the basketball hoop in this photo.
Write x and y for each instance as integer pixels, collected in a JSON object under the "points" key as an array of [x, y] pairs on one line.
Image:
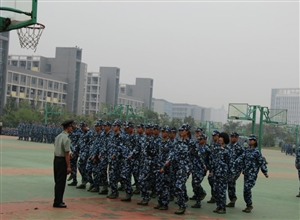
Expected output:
{"points": [[29, 36]]}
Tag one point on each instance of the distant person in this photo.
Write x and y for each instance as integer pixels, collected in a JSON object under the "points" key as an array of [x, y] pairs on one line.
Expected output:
{"points": [[297, 165], [61, 165]]}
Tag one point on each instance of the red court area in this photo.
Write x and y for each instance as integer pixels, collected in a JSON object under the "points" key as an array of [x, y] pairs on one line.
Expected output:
{"points": [[91, 208]]}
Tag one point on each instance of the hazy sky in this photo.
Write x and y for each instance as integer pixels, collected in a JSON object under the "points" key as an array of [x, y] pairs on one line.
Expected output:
{"points": [[206, 53]]}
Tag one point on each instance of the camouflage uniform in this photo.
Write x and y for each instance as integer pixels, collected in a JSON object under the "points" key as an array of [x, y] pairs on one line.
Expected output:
{"points": [[297, 164]]}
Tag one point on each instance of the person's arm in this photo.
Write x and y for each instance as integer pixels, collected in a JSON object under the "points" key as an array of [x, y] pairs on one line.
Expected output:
{"points": [[67, 157]]}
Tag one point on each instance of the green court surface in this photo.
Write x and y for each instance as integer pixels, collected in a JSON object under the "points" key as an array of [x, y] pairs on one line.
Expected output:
{"points": [[27, 191]]}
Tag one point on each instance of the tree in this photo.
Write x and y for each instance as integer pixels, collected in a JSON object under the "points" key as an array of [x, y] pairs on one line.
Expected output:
{"points": [[268, 140], [176, 122], [231, 126], [164, 119], [190, 120]]}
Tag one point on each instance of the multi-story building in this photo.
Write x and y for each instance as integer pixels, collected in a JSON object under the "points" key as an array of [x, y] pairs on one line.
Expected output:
{"points": [[101, 87], [24, 84], [57, 77], [138, 95], [182, 110], [287, 98], [4, 42]]}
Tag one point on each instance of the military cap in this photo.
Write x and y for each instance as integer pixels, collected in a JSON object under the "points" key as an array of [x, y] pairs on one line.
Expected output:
{"points": [[215, 133], [117, 122], [83, 123], [141, 125], [156, 126], [202, 136], [185, 127], [234, 134], [149, 126], [67, 123], [129, 124], [225, 137], [252, 137], [180, 128], [97, 124], [173, 130], [199, 130], [165, 128], [107, 123]]}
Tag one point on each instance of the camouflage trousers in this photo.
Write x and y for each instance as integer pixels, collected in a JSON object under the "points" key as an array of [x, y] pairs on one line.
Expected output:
{"points": [[180, 187], [211, 183], [91, 172], [163, 188], [114, 176], [198, 190], [249, 183], [232, 187], [82, 169], [220, 186], [126, 176], [144, 177]]}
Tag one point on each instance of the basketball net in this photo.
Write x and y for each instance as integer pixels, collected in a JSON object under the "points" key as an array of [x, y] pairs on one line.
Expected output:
{"points": [[29, 36]]}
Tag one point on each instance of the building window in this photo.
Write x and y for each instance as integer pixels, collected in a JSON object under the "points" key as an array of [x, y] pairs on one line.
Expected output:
{"points": [[14, 63], [122, 90], [64, 87], [29, 65], [48, 68], [35, 64], [50, 84], [16, 77], [23, 64], [55, 85], [23, 78], [41, 82], [33, 80]]}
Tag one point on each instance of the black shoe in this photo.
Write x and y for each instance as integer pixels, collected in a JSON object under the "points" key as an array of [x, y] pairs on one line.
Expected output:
{"points": [[153, 195], [81, 186], [164, 207], [103, 192], [90, 188], [143, 203], [231, 204], [137, 192], [70, 177], [157, 206], [216, 210], [248, 209], [180, 211], [298, 195], [61, 205], [193, 197], [221, 211], [72, 184]]}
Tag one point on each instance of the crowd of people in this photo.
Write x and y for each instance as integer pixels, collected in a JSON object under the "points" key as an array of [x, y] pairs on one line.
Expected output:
{"points": [[160, 160], [288, 148], [34, 131]]}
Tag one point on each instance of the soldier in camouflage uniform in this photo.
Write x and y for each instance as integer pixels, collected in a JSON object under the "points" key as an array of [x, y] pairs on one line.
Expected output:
{"points": [[102, 154], [20, 130], [136, 156], [173, 143], [220, 172], [114, 154], [156, 144], [163, 176], [128, 161], [84, 149], [74, 136], [235, 150], [91, 166], [146, 169], [250, 162], [180, 159], [214, 148], [200, 165]]}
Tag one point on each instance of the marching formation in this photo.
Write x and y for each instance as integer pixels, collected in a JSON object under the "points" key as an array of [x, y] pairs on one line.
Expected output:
{"points": [[35, 131], [160, 160]]}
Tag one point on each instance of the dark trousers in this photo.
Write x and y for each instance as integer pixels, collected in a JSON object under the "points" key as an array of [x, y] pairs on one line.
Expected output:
{"points": [[60, 177]]}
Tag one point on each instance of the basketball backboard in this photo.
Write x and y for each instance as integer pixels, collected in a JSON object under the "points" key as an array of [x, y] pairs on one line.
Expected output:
{"points": [[15, 14], [276, 116], [238, 111]]}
